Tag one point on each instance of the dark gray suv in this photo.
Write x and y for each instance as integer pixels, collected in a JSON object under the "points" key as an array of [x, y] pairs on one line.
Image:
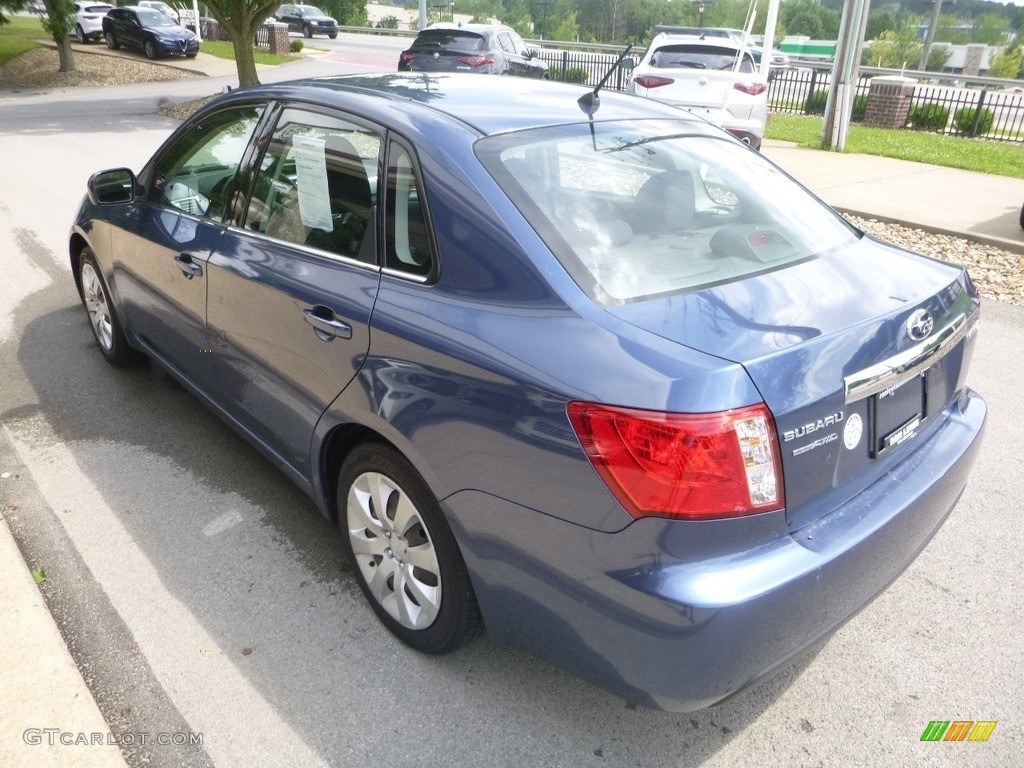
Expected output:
{"points": [[485, 48], [307, 20]]}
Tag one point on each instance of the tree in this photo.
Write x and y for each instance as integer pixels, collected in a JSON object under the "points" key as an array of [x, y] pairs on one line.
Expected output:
{"points": [[59, 21], [895, 49], [346, 12], [241, 19], [1009, 63], [878, 22], [10, 5], [990, 29], [810, 18]]}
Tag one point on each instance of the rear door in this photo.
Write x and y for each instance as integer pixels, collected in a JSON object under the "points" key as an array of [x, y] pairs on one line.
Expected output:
{"points": [[293, 285]]}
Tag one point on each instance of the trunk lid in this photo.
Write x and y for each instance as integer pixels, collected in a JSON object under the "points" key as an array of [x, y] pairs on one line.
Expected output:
{"points": [[856, 353]]}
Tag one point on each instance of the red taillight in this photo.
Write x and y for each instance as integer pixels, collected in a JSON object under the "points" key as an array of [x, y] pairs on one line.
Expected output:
{"points": [[476, 61], [406, 56], [699, 466], [651, 81], [751, 89]]}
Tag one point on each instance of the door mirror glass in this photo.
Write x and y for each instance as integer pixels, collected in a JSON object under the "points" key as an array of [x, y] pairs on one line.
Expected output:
{"points": [[112, 187]]}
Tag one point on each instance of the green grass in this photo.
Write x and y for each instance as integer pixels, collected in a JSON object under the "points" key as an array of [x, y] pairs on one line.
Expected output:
{"points": [[995, 157], [18, 36], [224, 50]]}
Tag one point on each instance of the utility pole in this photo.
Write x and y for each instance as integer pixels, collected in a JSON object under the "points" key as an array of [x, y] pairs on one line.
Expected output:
{"points": [[932, 26], [845, 71]]}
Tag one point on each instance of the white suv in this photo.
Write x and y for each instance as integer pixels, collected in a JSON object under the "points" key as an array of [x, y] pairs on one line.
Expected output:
{"points": [[89, 20], [714, 77]]}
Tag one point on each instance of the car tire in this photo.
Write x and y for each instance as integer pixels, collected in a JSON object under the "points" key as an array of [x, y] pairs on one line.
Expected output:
{"points": [[307, 31], [1022, 217], [403, 553], [111, 39], [106, 327], [332, 35], [191, 55], [80, 35], [149, 48]]}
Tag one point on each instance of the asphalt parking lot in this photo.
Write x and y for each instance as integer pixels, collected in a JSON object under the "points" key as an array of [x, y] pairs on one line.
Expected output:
{"points": [[201, 593]]}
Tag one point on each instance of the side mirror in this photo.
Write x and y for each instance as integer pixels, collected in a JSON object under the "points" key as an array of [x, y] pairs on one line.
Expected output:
{"points": [[628, 64], [112, 187]]}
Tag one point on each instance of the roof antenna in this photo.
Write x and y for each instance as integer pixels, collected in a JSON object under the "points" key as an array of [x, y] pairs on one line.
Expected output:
{"points": [[590, 102]]}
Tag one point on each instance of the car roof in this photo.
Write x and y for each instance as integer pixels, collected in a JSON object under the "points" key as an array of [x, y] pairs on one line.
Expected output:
{"points": [[485, 105], [477, 28]]}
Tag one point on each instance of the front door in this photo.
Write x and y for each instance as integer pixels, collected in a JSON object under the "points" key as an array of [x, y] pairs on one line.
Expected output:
{"points": [[160, 261]]}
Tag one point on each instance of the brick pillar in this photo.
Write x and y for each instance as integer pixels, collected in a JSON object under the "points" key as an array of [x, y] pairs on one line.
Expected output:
{"points": [[279, 42], [972, 59], [889, 101]]}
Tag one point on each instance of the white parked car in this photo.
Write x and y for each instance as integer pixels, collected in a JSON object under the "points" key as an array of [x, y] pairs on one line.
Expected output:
{"points": [[89, 20], [713, 77], [159, 5]]}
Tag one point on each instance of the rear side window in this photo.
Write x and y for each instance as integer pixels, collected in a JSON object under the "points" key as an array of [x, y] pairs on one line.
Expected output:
{"points": [[700, 57], [653, 207], [450, 40], [408, 246]]}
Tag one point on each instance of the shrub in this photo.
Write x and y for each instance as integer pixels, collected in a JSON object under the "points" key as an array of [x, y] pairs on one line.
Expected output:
{"points": [[571, 75], [295, 46], [816, 102], [963, 121], [928, 117]]}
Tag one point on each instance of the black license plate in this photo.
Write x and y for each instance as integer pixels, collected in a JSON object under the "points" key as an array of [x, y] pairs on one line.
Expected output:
{"points": [[899, 412]]}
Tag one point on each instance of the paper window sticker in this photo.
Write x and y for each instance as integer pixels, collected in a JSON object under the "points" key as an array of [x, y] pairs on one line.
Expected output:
{"points": [[311, 170]]}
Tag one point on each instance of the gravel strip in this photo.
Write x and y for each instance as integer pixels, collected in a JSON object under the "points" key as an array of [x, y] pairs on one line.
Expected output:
{"points": [[38, 68], [998, 274]]}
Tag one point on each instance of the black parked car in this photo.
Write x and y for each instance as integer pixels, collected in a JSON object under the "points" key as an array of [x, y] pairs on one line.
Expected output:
{"points": [[153, 32], [307, 20], [484, 48]]}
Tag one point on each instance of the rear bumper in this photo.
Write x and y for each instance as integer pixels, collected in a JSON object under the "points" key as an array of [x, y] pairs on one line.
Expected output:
{"points": [[662, 614]]}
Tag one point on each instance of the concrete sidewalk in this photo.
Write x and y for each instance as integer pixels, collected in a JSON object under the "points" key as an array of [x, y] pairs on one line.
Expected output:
{"points": [[42, 694], [976, 206]]}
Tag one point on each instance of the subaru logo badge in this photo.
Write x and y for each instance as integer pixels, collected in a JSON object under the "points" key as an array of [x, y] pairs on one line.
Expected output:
{"points": [[920, 324]]}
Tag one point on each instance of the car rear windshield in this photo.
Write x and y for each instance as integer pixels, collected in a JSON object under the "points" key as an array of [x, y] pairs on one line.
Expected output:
{"points": [[653, 207], [694, 56], [453, 41]]}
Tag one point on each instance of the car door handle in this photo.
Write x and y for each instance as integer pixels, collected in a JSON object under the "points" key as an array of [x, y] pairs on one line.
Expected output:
{"points": [[188, 268], [326, 324]]}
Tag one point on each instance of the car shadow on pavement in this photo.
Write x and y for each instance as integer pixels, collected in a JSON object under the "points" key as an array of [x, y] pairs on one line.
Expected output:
{"points": [[243, 599]]}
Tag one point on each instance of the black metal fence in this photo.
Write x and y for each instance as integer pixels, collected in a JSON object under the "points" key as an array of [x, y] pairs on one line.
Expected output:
{"points": [[804, 91], [584, 68], [986, 111]]}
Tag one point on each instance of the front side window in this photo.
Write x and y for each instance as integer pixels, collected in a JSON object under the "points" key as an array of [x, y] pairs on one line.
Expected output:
{"points": [[653, 207], [407, 240], [316, 185], [195, 175]]}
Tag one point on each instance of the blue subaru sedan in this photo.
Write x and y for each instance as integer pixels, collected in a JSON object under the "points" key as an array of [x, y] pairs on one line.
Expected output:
{"points": [[576, 368]]}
